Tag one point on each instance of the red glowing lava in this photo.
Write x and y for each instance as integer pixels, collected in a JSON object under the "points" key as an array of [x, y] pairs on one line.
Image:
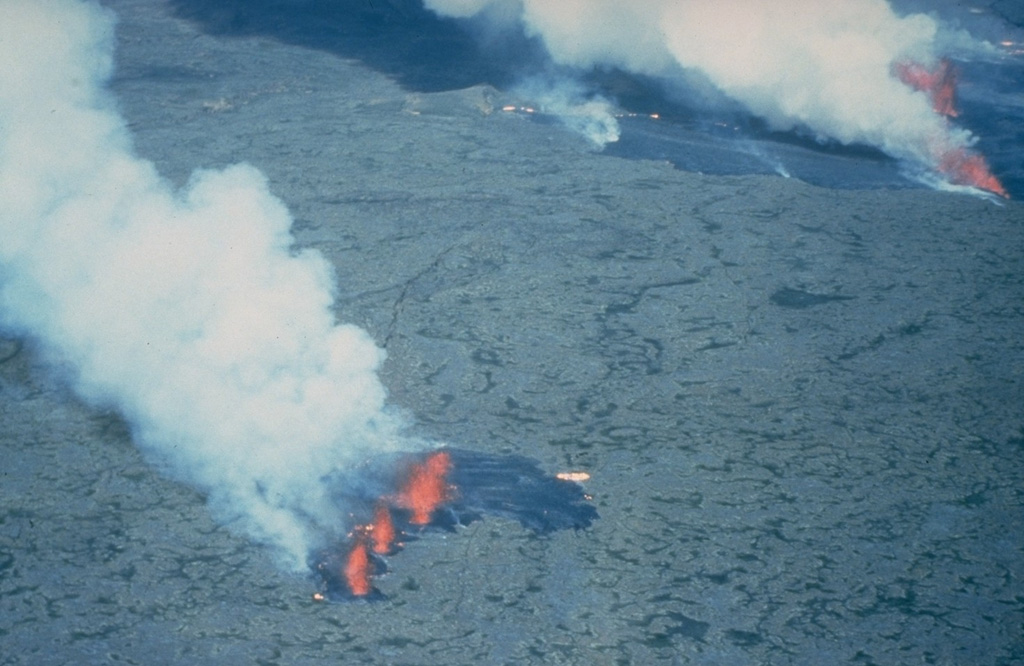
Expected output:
{"points": [[382, 531], [958, 164], [426, 488], [963, 167], [358, 569], [939, 83]]}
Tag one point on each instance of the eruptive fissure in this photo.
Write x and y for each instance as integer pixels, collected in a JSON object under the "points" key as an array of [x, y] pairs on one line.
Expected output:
{"points": [[958, 163], [964, 167], [426, 487], [441, 490], [853, 72]]}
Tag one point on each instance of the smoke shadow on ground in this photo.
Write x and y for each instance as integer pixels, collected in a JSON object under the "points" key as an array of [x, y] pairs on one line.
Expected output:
{"points": [[415, 47]]}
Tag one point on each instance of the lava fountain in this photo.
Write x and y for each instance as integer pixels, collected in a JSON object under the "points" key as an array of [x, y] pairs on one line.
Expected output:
{"points": [[939, 83], [442, 490], [956, 162]]}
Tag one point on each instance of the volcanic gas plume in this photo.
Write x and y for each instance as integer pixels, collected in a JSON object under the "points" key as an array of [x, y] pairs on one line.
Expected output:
{"points": [[854, 71], [189, 311], [193, 314]]}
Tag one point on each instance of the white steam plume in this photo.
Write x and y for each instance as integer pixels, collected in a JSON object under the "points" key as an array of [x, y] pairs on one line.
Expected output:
{"points": [[821, 65], [588, 114], [190, 312]]}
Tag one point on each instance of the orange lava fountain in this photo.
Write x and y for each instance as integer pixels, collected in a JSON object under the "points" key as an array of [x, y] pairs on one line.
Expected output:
{"points": [[963, 167], [958, 164], [939, 83], [382, 531], [426, 488], [430, 491], [357, 569]]}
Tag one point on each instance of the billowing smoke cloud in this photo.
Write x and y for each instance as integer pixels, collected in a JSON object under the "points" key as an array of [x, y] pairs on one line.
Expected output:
{"points": [[191, 312], [826, 67]]}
